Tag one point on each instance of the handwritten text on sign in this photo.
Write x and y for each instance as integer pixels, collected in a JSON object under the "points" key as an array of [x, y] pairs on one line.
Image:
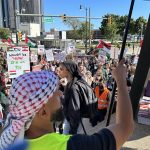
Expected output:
{"points": [[18, 62]]}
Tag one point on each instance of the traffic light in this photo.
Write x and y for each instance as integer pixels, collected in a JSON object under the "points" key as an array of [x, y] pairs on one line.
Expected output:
{"points": [[64, 17], [109, 20], [20, 36]]}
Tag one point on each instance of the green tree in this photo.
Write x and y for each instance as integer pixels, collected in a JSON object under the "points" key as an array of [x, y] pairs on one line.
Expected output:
{"points": [[84, 30], [74, 24], [140, 25], [109, 26], [73, 34], [4, 33], [108, 19], [111, 31], [135, 26]]}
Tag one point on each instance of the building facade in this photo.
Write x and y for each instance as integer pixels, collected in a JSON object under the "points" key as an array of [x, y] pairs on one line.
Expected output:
{"points": [[30, 7], [1, 15], [10, 7]]}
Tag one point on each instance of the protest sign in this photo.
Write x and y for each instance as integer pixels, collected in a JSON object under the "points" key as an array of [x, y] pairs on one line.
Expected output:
{"points": [[102, 56], [34, 57], [41, 49], [18, 61], [49, 55], [114, 52], [70, 48]]}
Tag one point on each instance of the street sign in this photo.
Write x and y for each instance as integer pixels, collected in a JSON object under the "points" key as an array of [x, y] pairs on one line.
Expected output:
{"points": [[47, 19]]}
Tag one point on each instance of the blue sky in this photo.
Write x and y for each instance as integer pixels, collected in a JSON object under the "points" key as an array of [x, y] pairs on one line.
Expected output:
{"points": [[98, 9]]}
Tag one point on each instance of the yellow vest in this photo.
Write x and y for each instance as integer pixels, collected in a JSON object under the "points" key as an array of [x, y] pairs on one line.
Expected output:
{"points": [[52, 141]]}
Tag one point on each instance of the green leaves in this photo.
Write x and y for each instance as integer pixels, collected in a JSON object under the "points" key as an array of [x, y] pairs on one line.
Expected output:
{"points": [[118, 24], [4, 33]]}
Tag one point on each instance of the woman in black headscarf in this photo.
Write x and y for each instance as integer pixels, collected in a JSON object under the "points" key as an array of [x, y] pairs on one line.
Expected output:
{"points": [[72, 100]]}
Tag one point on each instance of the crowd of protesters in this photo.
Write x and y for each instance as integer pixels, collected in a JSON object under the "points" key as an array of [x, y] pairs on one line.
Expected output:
{"points": [[97, 74], [92, 72]]}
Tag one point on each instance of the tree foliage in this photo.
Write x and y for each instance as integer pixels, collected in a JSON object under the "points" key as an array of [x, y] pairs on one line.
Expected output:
{"points": [[118, 24], [4, 33], [73, 23], [140, 25], [79, 30]]}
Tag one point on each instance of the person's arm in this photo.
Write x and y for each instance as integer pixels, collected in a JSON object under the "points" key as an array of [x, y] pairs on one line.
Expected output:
{"points": [[124, 115]]}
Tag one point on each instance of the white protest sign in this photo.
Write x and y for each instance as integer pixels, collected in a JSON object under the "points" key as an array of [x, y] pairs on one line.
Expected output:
{"points": [[70, 48], [135, 61], [34, 57], [49, 55], [114, 52], [102, 56], [41, 49], [17, 48], [18, 62]]}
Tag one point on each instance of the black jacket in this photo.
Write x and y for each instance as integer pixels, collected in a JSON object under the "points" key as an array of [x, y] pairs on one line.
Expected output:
{"points": [[72, 104], [79, 102]]}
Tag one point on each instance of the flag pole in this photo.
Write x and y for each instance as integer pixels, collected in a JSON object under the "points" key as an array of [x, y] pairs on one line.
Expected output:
{"points": [[120, 57]]}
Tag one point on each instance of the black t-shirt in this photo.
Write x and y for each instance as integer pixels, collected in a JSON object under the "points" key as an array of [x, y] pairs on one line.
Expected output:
{"points": [[103, 140]]}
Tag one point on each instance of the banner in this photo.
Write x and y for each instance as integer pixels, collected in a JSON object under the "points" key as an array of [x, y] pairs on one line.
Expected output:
{"points": [[18, 61], [41, 49], [49, 55]]}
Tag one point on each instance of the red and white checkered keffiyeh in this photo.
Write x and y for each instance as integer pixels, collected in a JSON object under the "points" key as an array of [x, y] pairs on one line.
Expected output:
{"points": [[29, 92]]}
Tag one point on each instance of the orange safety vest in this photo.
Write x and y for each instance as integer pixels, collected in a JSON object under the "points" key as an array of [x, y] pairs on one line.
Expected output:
{"points": [[102, 99]]}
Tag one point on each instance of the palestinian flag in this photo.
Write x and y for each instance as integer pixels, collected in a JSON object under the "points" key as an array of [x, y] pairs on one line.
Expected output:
{"points": [[104, 47], [26, 71], [30, 42], [9, 42], [12, 72]]}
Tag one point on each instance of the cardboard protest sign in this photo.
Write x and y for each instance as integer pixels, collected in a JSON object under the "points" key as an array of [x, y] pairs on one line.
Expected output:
{"points": [[41, 49], [114, 52], [34, 57], [18, 61], [49, 55], [102, 56], [70, 48]]}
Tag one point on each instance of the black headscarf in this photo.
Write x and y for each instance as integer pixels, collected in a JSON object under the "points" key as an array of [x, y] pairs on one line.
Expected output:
{"points": [[72, 67]]}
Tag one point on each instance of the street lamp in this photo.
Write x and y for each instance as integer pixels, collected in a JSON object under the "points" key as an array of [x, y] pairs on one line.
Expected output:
{"points": [[81, 7]]}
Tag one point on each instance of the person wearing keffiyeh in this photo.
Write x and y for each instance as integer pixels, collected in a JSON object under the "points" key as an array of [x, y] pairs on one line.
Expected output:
{"points": [[28, 94], [34, 101]]}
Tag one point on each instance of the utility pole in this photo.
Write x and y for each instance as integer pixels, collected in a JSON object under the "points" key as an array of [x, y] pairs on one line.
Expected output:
{"points": [[86, 33], [16, 21], [86, 36], [89, 28]]}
